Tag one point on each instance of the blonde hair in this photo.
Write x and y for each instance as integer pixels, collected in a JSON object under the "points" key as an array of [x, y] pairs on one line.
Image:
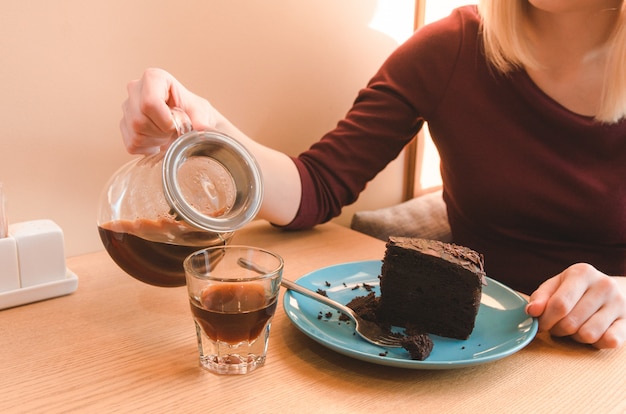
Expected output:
{"points": [[506, 50]]}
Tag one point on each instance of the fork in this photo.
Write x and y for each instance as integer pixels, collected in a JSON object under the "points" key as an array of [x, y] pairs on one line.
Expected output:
{"points": [[369, 331]]}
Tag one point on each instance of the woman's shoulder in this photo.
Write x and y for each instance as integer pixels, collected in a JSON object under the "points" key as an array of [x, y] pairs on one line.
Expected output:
{"points": [[458, 17], [461, 25], [443, 39], [425, 63]]}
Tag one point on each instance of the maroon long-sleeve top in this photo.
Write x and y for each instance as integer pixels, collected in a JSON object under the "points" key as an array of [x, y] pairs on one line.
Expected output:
{"points": [[528, 183]]}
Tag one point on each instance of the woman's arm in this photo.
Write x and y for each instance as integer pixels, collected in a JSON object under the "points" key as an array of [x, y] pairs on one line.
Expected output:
{"points": [[147, 127]]}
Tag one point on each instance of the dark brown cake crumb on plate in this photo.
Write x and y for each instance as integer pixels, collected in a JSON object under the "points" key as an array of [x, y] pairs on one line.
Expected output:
{"points": [[365, 306], [419, 346]]}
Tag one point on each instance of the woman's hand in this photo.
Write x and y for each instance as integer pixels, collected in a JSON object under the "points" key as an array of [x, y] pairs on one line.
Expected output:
{"points": [[147, 127], [147, 124], [583, 303]]}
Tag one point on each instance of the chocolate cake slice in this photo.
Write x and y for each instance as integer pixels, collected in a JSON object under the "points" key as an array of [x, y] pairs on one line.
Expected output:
{"points": [[430, 286]]}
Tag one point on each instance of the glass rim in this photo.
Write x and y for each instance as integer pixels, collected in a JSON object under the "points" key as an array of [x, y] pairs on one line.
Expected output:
{"points": [[263, 274]]}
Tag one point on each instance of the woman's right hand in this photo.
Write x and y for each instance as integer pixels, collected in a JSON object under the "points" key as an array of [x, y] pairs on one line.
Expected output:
{"points": [[147, 125]]}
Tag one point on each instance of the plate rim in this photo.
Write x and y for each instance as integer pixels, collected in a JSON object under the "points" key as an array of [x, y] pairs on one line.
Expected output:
{"points": [[526, 336]]}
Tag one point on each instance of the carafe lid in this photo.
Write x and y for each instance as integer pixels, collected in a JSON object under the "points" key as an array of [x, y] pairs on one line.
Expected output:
{"points": [[210, 180]]}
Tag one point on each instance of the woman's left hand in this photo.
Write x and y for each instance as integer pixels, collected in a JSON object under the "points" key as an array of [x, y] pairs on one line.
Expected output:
{"points": [[583, 303]]}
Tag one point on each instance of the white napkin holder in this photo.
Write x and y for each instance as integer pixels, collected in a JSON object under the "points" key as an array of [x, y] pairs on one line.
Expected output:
{"points": [[32, 264]]}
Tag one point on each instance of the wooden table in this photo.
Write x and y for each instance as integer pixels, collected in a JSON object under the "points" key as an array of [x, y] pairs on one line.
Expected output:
{"points": [[118, 345]]}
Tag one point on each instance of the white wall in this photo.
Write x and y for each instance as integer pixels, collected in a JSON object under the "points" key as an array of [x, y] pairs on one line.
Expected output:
{"points": [[283, 70]]}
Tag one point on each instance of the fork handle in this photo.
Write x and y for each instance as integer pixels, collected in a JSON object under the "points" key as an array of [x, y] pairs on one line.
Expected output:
{"points": [[297, 288], [314, 295]]}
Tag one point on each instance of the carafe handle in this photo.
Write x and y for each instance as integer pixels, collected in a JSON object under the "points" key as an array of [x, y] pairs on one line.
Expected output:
{"points": [[181, 121]]}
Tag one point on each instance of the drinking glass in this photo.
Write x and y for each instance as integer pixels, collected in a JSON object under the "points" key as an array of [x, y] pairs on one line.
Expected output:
{"points": [[233, 293]]}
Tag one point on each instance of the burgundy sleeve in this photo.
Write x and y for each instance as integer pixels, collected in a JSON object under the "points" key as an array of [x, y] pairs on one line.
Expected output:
{"points": [[385, 116]]}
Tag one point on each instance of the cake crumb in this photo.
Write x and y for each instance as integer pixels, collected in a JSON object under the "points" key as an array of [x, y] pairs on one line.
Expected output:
{"points": [[365, 306], [418, 346]]}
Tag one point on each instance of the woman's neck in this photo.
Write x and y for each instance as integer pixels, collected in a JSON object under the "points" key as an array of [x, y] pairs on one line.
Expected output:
{"points": [[571, 47], [572, 34]]}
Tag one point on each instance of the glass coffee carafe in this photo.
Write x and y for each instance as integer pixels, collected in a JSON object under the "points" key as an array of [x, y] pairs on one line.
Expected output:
{"points": [[158, 209]]}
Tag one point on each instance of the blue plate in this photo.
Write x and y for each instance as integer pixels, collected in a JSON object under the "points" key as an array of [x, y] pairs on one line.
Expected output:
{"points": [[502, 327]]}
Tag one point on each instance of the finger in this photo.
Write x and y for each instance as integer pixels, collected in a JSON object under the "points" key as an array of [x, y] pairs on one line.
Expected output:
{"points": [[561, 303], [614, 337], [140, 144], [607, 327], [159, 91], [595, 327], [140, 134], [145, 111], [600, 305], [539, 298], [587, 319], [138, 125]]}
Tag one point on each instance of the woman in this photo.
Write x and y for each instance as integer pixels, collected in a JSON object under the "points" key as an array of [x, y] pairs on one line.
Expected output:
{"points": [[526, 102]]}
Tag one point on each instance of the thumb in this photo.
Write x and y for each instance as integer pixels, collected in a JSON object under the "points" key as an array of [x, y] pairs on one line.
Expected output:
{"points": [[539, 298]]}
